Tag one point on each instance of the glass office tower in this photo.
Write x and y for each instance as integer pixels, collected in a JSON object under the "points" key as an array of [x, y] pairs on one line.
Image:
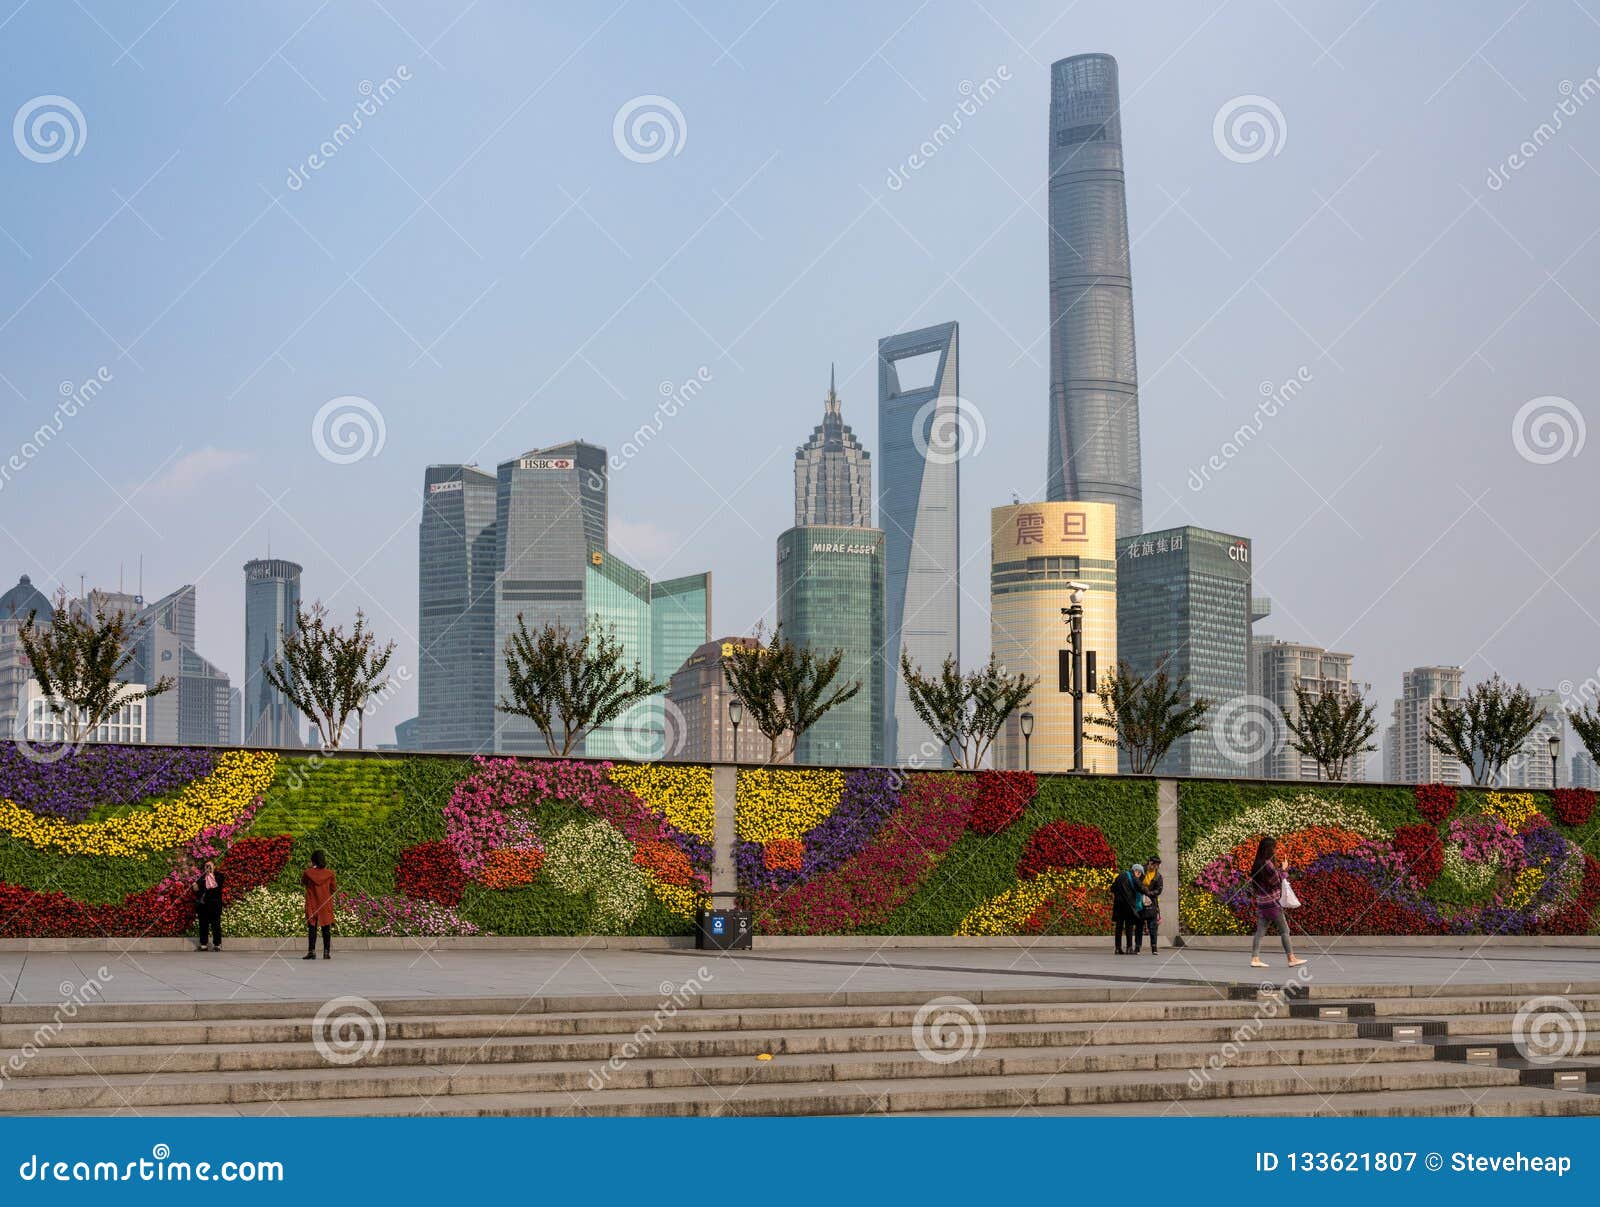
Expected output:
{"points": [[1183, 606], [1094, 380], [271, 606], [833, 472], [919, 451], [455, 610], [831, 596]]}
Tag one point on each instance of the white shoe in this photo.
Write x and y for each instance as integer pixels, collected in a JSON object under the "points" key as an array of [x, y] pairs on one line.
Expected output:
{"points": [[1258, 962], [1293, 960]]}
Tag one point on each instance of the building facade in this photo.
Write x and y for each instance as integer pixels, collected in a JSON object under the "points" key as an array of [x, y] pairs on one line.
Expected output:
{"points": [[833, 473], [919, 502], [831, 596], [1184, 607], [1585, 772], [16, 606], [1036, 550], [698, 696], [40, 720], [456, 610], [1532, 766], [1408, 759], [271, 610], [198, 709], [1094, 380], [1280, 667]]}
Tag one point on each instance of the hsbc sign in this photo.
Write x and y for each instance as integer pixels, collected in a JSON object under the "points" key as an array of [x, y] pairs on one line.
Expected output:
{"points": [[545, 463]]}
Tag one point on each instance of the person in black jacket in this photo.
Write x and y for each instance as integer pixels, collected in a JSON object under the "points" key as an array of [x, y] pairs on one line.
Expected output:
{"points": [[1150, 916], [1126, 897], [208, 906]]}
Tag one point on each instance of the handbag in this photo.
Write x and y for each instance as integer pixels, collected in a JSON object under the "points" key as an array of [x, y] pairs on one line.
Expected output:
{"points": [[1286, 896]]}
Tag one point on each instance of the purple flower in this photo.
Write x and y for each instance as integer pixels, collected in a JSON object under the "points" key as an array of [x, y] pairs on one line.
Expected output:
{"points": [[870, 795], [98, 774]]}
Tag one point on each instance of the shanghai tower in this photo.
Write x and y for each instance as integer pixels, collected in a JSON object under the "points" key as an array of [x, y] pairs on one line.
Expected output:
{"points": [[1094, 384]]}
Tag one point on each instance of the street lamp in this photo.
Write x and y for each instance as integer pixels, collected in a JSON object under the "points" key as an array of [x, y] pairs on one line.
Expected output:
{"points": [[1026, 721], [1074, 616], [1554, 745], [735, 715]]}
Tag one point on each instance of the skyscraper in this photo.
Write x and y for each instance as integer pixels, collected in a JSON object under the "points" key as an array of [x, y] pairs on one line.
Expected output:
{"points": [[830, 596], [199, 708], [833, 472], [455, 610], [1409, 759], [271, 607], [1094, 380], [919, 451], [1184, 607], [16, 605], [1532, 766], [1035, 551], [1281, 666]]}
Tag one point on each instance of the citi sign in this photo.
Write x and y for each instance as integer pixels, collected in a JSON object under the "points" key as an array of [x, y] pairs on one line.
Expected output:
{"points": [[1239, 551]]}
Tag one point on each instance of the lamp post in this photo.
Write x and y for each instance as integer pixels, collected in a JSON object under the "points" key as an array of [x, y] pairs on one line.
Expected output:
{"points": [[1554, 746], [1074, 615], [735, 715], [1026, 722]]}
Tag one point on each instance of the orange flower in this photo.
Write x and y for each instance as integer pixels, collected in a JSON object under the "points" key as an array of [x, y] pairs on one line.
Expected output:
{"points": [[512, 868], [665, 861], [784, 853], [1299, 848]]}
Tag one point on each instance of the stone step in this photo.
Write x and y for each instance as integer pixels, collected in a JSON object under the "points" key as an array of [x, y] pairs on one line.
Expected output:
{"points": [[470, 1095], [1496, 1102]]}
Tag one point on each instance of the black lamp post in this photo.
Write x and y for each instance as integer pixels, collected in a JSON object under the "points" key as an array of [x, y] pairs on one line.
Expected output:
{"points": [[1555, 760], [1074, 616], [735, 715], [1026, 722]]}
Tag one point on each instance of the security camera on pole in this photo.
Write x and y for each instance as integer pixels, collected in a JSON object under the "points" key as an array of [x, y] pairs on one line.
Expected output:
{"points": [[1074, 615]]}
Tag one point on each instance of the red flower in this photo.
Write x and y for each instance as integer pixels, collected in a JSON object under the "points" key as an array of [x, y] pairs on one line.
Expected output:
{"points": [[430, 870], [1065, 844], [1002, 797], [1436, 801], [785, 853], [1573, 806], [1341, 903], [1424, 853]]}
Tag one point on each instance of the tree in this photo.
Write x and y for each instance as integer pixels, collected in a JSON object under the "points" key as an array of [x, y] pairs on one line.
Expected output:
{"points": [[1586, 724], [327, 673], [1146, 715], [571, 685], [965, 712], [1332, 728], [78, 660], [784, 687], [1487, 728]]}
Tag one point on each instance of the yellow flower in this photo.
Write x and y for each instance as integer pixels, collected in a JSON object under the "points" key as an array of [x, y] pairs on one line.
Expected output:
{"points": [[681, 901], [783, 803], [682, 794], [240, 776], [1528, 882], [1005, 914], [1516, 809], [1201, 913]]}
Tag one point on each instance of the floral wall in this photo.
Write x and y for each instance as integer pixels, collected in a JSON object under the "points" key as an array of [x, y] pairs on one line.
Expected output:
{"points": [[1434, 860]]}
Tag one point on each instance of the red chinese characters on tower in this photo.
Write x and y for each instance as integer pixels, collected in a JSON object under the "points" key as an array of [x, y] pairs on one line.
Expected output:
{"points": [[1030, 528]]}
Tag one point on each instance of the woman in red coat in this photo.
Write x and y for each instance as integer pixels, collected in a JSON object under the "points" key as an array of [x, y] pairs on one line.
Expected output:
{"points": [[320, 886]]}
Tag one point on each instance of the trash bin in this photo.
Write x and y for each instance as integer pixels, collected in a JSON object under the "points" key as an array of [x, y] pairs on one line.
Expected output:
{"points": [[723, 929]]}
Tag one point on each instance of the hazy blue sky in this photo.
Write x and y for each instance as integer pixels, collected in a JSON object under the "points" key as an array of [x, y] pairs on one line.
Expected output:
{"points": [[483, 264]]}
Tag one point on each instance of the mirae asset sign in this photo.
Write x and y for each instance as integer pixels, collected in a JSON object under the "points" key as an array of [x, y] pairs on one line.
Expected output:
{"points": [[837, 547]]}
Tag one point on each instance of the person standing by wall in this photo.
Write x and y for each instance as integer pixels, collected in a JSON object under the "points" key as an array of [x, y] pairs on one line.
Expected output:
{"points": [[320, 885], [1150, 917], [1126, 899], [208, 906]]}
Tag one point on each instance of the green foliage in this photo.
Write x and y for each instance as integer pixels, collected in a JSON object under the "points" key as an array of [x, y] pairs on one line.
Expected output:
{"points": [[965, 712], [1331, 728], [981, 866], [99, 879], [79, 660], [569, 685], [306, 792], [1486, 729], [1145, 715], [1205, 804], [785, 687], [329, 674]]}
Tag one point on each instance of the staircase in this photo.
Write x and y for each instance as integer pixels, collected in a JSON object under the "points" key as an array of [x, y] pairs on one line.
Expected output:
{"points": [[1194, 1049]]}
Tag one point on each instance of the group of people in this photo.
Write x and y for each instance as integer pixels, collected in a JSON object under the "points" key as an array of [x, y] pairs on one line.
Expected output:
{"points": [[317, 880], [1136, 903]]}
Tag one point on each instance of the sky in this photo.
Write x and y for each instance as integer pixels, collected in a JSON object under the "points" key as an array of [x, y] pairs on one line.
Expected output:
{"points": [[1354, 197]]}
